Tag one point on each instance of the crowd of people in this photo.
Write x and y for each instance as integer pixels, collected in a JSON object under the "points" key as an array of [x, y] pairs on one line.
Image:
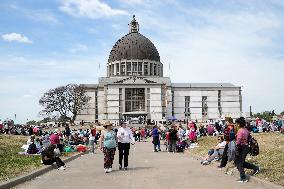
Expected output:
{"points": [[233, 140]]}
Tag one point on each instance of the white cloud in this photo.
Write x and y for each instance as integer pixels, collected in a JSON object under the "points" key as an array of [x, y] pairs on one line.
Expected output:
{"points": [[28, 96], [93, 9], [134, 2], [78, 48], [16, 37], [36, 15]]}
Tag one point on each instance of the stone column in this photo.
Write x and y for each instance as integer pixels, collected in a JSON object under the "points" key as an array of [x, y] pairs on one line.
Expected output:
{"points": [[131, 67], [119, 67], [143, 68]]}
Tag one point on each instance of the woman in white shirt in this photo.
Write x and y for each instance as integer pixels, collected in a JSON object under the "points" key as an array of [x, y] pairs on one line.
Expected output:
{"points": [[125, 137], [216, 152]]}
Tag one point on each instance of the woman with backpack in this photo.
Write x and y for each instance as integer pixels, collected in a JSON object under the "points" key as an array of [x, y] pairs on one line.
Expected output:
{"points": [[108, 146], [242, 141]]}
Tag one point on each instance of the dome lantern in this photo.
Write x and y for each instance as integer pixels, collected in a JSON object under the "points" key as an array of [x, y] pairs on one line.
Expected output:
{"points": [[133, 26]]}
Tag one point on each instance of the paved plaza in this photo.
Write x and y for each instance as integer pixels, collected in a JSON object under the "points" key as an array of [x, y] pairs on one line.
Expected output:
{"points": [[147, 170]]}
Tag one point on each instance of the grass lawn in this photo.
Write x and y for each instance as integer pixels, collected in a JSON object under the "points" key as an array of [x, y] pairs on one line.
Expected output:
{"points": [[270, 159], [12, 164]]}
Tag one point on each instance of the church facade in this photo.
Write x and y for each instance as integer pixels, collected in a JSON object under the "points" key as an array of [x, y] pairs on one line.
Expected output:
{"points": [[135, 89]]}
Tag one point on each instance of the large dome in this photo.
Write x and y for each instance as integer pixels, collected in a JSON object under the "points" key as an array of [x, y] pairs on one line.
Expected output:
{"points": [[134, 46]]}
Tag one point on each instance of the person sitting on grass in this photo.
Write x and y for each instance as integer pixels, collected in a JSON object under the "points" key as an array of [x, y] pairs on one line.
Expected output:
{"points": [[216, 152], [49, 157]]}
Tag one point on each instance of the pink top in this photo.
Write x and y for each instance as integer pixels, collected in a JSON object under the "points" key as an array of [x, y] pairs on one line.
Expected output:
{"points": [[54, 139], [242, 136], [142, 133]]}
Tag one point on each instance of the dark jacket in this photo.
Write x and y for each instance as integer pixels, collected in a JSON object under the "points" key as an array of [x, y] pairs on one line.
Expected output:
{"points": [[48, 152]]}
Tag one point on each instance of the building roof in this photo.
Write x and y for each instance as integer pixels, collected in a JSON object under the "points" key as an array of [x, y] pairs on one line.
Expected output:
{"points": [[206, 85], [134, 46], [89, 85]]}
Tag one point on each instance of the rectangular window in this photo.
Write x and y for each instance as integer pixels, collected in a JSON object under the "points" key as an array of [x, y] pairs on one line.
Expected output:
{"points": [[122, 68], [117, 68], [120, 100], [145, 68], [134, 67], [134, 99], [204, 106], [187, 104], [151, 68], [128, 67]]}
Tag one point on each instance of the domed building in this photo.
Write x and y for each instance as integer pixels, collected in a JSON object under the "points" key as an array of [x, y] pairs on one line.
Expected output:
{"points": [[135, 89]]}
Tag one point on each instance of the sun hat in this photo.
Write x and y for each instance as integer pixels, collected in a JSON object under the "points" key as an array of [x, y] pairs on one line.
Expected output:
{"points": [[55, 131], [107, 123]]}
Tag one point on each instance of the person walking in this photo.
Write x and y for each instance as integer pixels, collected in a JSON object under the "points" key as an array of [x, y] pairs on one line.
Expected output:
{"points": [[156, 139], [125, 137], [143, 135], [108, 146], [173, 139], [67, 133], [92, 139], [242, 151]]}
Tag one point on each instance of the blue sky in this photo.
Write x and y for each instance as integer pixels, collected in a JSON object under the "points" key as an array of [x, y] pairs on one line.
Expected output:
{"points": [[45, 44]]}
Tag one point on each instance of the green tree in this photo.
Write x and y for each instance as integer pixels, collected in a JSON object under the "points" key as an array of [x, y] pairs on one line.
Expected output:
{"points": [[32, 122], [266, 115], [64, 102]]}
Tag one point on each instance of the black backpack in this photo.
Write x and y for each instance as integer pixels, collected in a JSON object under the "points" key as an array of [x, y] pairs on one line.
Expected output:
{"points": [[253, 146]]}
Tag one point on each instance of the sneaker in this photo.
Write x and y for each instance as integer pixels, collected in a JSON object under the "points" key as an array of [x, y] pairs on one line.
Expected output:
{"points": [[120, 167], [243, 180], [256, 171], [106, 170], [62, 168], [205, 163], [109, 170], [160, 150], [125, 168]]}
